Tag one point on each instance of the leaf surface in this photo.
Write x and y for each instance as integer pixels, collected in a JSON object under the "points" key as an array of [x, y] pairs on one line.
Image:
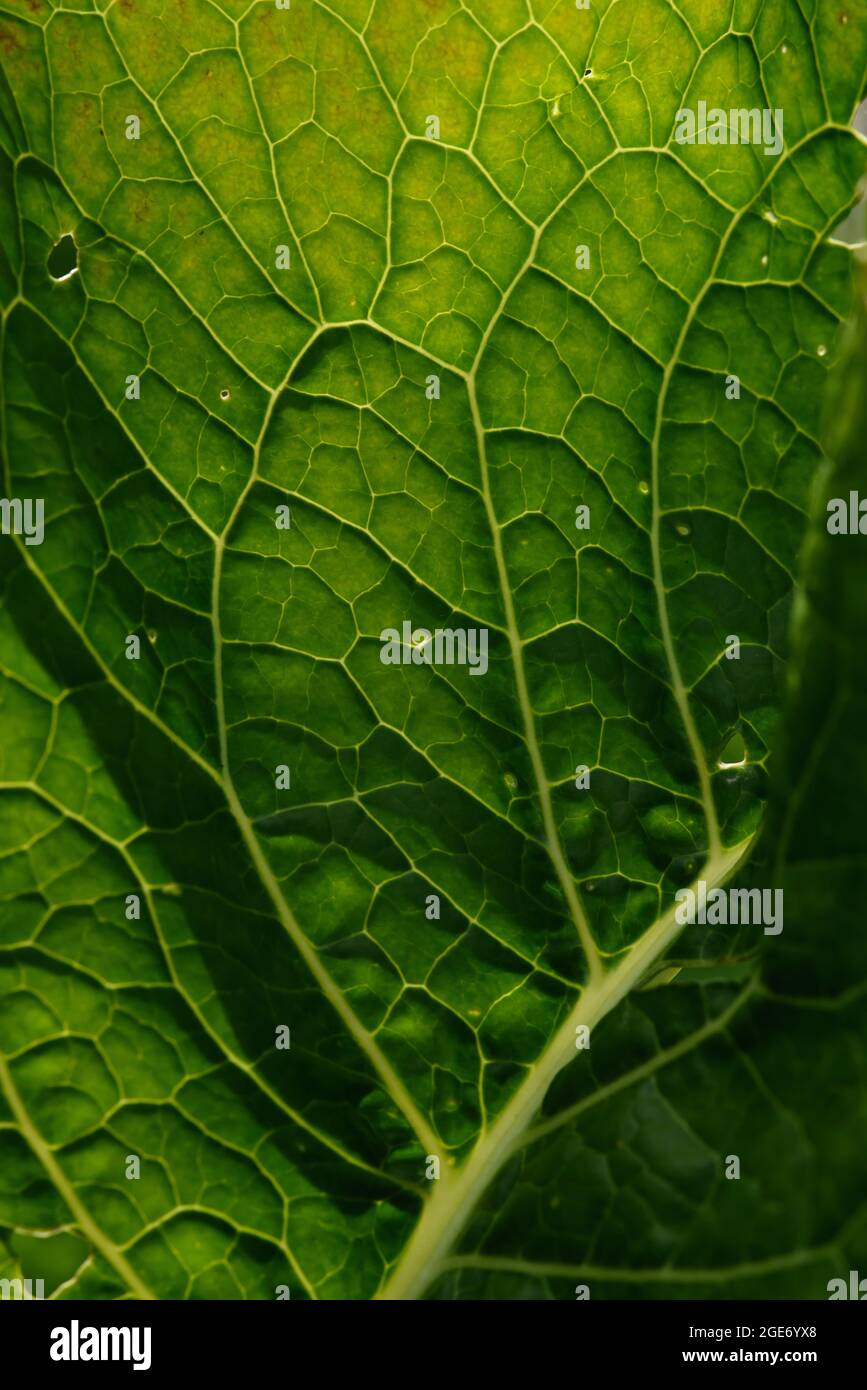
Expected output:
{"points": [[390, 334]]}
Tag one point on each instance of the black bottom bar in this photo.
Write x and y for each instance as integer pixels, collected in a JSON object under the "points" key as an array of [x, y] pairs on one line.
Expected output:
{"points": [[196, 1338]]}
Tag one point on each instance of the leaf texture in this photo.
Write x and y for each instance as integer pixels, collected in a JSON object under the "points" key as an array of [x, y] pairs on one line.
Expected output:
{"points": [[396, 336]]}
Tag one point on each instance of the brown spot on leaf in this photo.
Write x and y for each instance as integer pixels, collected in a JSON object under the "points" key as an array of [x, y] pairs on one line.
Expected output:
{"points": [[9, 40]]}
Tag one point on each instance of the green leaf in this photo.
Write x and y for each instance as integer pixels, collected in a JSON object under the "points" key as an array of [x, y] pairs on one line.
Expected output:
{"points": [[331, 259], [618, 1188]]}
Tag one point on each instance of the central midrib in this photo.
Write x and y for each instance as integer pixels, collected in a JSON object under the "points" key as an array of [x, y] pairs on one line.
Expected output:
{"points": [[457, 1193]]}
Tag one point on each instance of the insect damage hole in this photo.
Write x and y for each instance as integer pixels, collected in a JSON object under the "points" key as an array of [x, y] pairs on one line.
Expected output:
{"points": [[851, 229], [735, 752], [63, 258]]}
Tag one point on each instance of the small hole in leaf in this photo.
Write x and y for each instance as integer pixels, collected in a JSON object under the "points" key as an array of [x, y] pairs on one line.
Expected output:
{"points": [[735, 752], [852, 229], [225, 393], [63, 258], [588, 72]]}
